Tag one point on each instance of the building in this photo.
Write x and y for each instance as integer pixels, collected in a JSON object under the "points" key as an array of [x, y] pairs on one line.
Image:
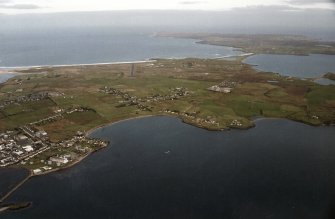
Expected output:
{"points": [[18, 153], [21, 139], [41, 134], [28, 148], [217, 88], [37, 171], [59, 160]]}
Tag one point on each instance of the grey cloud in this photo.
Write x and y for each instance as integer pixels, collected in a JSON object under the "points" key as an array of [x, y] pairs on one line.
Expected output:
{"points": [[266, 9], [318, 23], [306, 2], [191, 2], [4, 1], [19, 6]]}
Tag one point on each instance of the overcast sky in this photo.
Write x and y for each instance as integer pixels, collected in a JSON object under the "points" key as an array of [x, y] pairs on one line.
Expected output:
{"points": [[46, 6], [308, 17]]}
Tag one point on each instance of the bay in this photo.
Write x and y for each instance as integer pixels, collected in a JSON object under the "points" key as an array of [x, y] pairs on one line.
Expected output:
{"points": [[312, 66], [159, 167]]}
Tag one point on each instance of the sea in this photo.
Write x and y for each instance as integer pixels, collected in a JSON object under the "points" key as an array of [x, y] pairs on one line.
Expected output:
{"points": [[159, 167], [97, 45]]}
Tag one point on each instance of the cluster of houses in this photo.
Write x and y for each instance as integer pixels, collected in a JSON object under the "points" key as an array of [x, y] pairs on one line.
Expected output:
{"points": [[192, 116], [223, 87], [59, 113], [25, 98], [236, 123], [25, 143], [175, 93], [21, 145], [128, 100], [78, 145]]}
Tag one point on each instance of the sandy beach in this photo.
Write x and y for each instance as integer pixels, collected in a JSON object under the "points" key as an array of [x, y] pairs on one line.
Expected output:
{"points": [[6, 70]]}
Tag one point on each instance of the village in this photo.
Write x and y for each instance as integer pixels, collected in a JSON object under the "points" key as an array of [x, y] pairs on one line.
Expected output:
{"points": [[29, 146], [128, 100], [24, 98], [175, 93], [21, 147]]}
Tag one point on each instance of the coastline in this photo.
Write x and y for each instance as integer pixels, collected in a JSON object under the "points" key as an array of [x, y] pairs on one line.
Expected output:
{"points": [[89, 132], [70, 165], [5, 70], [253, 120], [5, 76]]}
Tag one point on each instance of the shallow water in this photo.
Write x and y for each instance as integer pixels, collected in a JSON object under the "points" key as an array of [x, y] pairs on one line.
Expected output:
{"points": [[5, 77]]}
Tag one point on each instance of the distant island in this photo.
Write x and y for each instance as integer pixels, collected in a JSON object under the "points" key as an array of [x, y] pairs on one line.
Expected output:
{"points": [[330, 76], [261, 43]]}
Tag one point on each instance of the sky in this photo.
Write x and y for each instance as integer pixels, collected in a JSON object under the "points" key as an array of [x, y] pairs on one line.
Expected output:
{"points": [[314, 18], [49, 6]]}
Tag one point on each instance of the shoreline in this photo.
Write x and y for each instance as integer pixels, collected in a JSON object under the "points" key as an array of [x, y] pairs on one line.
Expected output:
{"points": [[10, 69], [89, 132], [70, 165], [6, 70]]}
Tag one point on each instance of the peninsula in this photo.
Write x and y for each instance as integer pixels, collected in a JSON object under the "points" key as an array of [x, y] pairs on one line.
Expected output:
{"points": [[330, 76], [261, 43], [46, 112]]}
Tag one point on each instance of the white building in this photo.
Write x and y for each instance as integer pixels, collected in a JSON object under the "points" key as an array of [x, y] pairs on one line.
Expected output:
{"points": [[37, 171], [59, 160], [18, 153], [28, 148], [41, 134]]}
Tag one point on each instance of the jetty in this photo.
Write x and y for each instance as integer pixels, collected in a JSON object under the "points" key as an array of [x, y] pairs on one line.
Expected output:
{"points": [[2, 199]]}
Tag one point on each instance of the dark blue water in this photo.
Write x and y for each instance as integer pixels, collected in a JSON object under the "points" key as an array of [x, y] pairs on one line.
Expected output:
{"points": [[63, 46], [9, 178], [159, 167], [312, 66]]}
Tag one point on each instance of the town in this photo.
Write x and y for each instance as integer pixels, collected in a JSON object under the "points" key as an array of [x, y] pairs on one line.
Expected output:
{"points": [[128, 100], [24, 144], [30, 146]]}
